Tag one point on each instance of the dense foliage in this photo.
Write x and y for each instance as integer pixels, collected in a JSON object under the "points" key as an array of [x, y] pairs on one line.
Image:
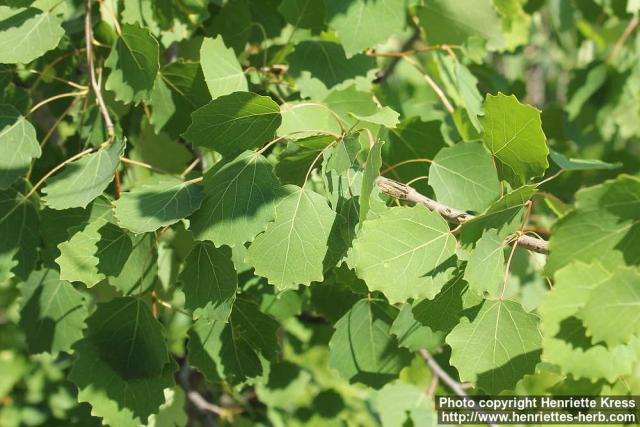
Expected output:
{"points": [[313, 212]]}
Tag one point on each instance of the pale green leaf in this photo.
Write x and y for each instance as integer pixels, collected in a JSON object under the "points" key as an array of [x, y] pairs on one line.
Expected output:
{"points": [[239, 201], [99, 250], [369, 176], [360, 24], [485, 267], [235, 122], [565, 343], [26, 33], [18, 145], [293, 248], [498, 347], [134, 64], [84, 179], [405, 253], [463, 176], [612, 311], [411, 333], [161, 203], [604, 226], [400, 403], [221, 68], [172, 413], [513, 134]]}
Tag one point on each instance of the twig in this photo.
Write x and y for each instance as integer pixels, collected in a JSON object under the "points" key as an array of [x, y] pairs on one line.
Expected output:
{"points": [[505, 278], [198, 401], [412, 52], [385, 73], [452, 215], [54, 170], [190, 167], [88, 36], [625, 34], [70, 83], [405, 162], [55, 97], [437, 370], [57, 123]]}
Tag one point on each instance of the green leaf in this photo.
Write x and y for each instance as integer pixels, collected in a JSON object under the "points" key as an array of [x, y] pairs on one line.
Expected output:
{"points": [[99, 250], [134, 64], [26, 33], [209, 281], [344, 154], [112, 397], [179, 89], [361, 24], [401, 404], [498, 347], [233, 23], [592, 82], [485, 267], [138, 272], [240, 198], [327, 62], [618, 301], [463, 176], [369, 176], [413, 139], [151, 206], [221, 68], [581, 164], [233, 350], [160, 151], [565, 343], [123, 356], [411, 333], [293, 248], [18, 145], [505, 216], [442, 313], [172, 412], [83, 180], [362, 348], [130, 340], [19, 238], [304, 13], [453, 23], [52, 312], [355, 106], [513, 134], [235, 122], [604, 226], [405, 253]]}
